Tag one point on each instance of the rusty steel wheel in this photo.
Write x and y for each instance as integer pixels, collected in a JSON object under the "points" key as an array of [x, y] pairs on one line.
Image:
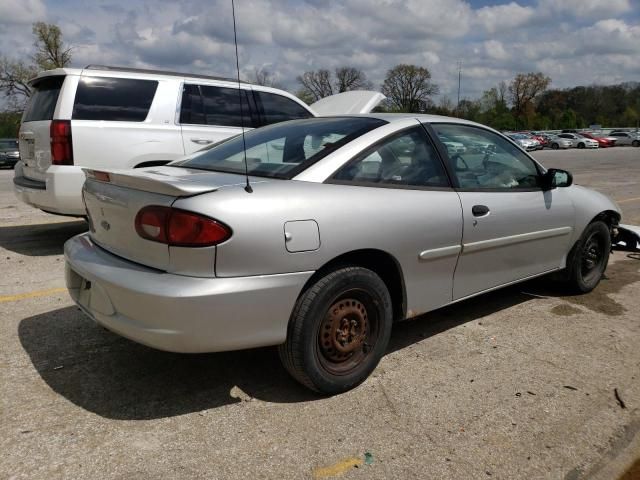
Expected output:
{"points": [[347, 333], [338, 331]]}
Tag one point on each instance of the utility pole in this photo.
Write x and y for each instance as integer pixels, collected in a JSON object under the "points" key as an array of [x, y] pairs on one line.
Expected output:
{"points": [[459, 83]]}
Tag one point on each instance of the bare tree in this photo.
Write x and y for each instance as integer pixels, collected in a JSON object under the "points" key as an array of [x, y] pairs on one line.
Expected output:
{"points": [[317, 83], [50, 49], [262, 76], [409, 88], [503, 88], [349, 78], [524, 89], [14, 82]]}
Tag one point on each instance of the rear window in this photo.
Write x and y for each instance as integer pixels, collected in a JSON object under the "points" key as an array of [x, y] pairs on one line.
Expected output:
{"points": [[277, 108], [43, 99], [113, 99], [282, 150], [209, 105]]}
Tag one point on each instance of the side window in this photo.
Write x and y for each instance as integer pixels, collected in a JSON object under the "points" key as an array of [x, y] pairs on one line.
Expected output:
{"points": [[221, 107], [113, 99], [485, 160], [191, 110], [276, 108], [405, 159]]}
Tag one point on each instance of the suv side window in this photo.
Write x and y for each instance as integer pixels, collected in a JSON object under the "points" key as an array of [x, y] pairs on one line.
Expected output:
{"points": [[405, 159], [221, 106], [485, 160], [113, 99], [276, 108], [191, 109]]}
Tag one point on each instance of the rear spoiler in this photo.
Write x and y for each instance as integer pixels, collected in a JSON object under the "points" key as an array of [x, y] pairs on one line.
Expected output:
{"points": [[153, 180], [626, 238]]}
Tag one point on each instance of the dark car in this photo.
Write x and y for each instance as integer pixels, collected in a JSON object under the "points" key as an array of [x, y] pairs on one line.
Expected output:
{"points": [[9, 153]]}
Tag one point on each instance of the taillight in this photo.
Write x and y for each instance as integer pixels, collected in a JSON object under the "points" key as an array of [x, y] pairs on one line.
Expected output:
{"points": [[179, 227], [61, 145]]}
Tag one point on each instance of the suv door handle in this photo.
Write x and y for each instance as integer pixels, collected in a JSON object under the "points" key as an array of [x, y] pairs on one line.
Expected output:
{"points": [[479, 210], [201, 141]]}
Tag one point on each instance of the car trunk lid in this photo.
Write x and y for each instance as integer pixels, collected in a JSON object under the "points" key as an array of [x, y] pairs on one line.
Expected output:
{"points": [[348, 103], [113, 199]]}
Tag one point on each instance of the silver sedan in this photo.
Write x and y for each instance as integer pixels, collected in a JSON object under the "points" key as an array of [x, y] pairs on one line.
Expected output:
{"points": [[317, 235]]}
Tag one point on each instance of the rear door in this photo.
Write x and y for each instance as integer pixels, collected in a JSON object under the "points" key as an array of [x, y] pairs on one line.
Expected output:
{"points": [[210, 114], [512, 228], [34, 136], [124, 122]]}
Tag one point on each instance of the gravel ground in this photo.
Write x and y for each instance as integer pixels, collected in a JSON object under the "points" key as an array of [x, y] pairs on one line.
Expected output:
{"points": [[519, 383]]}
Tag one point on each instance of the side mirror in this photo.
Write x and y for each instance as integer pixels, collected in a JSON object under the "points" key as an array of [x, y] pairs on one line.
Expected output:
{"points": [[556, 178]]}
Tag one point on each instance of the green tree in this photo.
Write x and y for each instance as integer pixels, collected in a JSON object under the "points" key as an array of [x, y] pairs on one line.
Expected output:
{"points": [[409, 88], [523, 90], [15, 74]]}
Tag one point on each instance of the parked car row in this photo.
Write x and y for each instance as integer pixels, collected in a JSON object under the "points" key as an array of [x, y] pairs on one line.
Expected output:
{"points": [[571, 138]]}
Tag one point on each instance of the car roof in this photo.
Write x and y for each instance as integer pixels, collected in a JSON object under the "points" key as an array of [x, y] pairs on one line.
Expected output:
{"points": [[421, 117], [140, 71]]}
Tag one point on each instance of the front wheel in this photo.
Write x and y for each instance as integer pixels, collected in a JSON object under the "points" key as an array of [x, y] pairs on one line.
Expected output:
{"points": [[588, 259], [338, 331], [636, 143], [555, 146], [581, 145]]}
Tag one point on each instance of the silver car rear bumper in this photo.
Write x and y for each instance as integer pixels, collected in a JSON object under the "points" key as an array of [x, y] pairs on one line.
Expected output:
{"points": [[178, 313]]}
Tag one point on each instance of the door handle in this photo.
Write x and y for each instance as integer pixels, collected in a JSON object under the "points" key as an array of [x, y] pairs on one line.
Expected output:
{"points": [[480, 210], [201, 141]]}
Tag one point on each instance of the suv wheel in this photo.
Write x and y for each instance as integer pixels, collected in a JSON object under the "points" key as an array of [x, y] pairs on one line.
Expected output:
{"points": [[339, 330]]}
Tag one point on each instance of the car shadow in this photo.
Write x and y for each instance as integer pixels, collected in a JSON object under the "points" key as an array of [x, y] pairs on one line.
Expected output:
{"points": [[41, 239], [119, 379]]}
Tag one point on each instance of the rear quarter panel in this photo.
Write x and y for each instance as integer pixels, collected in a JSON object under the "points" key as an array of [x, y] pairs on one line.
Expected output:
{"points": [[401, 222]]}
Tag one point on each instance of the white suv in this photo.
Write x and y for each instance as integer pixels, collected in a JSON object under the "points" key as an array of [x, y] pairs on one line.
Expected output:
{"points": [[131, 118]]}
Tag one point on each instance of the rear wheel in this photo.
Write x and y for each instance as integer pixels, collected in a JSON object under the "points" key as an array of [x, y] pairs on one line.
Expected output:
{"points": [[339, 330], [588, 259]]}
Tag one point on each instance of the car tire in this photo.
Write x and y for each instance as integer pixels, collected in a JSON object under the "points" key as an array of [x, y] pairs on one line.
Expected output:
{"points": [[581, 145], [636, 143], [588, 259], [555, 146], [338, 331]]}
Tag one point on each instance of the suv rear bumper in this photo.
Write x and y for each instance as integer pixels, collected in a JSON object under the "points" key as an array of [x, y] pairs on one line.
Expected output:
{"points": [[178, 313], [60, 192]]}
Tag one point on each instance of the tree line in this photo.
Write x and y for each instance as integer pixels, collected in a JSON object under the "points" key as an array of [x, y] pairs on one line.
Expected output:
{"points": [[523, 102]]}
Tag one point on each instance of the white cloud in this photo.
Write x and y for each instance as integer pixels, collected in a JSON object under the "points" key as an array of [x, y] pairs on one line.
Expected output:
{"points": [[587, 8], [21, 11], [504, 17]]}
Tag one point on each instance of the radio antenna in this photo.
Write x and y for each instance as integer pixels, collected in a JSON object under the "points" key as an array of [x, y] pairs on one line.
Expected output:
{"points": [[247, 187]]}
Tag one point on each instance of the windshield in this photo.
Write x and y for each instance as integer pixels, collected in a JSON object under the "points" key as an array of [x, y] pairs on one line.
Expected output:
{"points": [[281, 150], [8, 144]]}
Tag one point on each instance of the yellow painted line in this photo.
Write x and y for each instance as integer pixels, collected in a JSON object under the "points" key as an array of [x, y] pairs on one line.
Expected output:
{"points": [[37, 293], [634, 199], [337, 469]]}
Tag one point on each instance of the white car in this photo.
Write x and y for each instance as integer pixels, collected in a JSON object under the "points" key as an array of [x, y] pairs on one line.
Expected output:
{"points": [[626, 138], [556, 142], [107, 117], [579, 141], [527, 143]]}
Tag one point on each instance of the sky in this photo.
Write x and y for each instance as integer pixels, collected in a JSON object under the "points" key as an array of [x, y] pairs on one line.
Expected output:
{"points": [[575, 42]]}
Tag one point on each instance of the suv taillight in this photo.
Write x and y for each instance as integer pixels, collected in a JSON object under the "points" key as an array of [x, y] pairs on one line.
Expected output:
{"points": [[179, 227], [61, 145]]}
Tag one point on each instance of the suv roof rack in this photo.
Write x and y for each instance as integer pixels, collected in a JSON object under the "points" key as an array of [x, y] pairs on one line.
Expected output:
{"points": [[160, 72]]}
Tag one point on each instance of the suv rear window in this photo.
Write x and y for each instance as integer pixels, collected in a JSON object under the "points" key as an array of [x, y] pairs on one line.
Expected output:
{"points": [[277, 108], [209, 105], [43, 99], [113, 99]]}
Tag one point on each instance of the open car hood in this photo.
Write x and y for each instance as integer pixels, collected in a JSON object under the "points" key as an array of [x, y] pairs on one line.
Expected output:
{"points": [[352, 102]]}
